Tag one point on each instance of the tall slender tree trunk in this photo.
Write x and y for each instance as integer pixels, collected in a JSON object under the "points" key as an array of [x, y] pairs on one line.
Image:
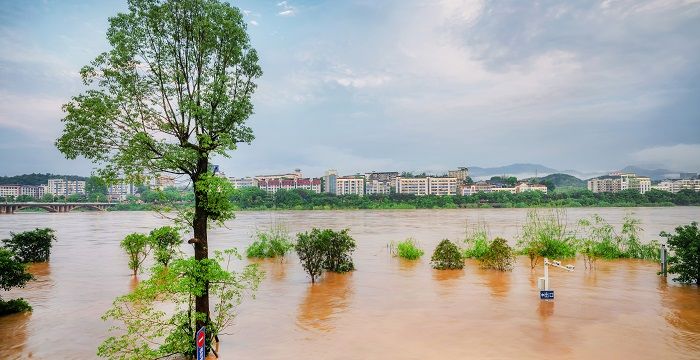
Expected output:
{"points": [[201, 249]]}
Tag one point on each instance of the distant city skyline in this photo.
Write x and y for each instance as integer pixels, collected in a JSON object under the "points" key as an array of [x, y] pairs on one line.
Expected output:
{"points": [[412, 85]]}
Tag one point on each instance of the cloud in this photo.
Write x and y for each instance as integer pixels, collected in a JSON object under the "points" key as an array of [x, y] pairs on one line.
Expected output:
{"points": [[679, 157], [286, 9], [253, 22]]}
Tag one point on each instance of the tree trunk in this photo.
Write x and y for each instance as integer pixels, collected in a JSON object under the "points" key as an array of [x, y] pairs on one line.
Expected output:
{"points": [[201, 250]]}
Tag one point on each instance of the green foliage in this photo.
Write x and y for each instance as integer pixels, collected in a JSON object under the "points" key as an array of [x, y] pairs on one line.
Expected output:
{"points": [[137, 247], [339, 246], [14, 306], [500, 256], [601, 241], [409, 249], [447, 256], [272, 243], [545, 235], [13, 273], [320, 250], [146, 331], [311, 251], [165, 242], [31, 246], [96, 189], [215, 195], [477, 242], [684, 245]]}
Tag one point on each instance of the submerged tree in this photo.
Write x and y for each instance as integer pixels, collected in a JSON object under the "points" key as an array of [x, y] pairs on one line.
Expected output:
{"points": [[31, 246], [165, 242], [685, 259], [447, 256], [137, 246], [173, 90], [13, 273]]}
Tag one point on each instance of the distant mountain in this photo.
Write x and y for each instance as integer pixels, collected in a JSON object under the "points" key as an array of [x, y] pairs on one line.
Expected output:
{"points": [[517, 170], [35, 179]]}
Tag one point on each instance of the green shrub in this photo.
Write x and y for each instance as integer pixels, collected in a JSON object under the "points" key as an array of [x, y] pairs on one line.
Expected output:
{"points": [[13, 273], [546, 236], [685, 248], [269, 244], [14, 306], [601, 241], [165, 242], [31, 246], [137, 247], [312, 253], [447, 256], [499, 256], [408, 249], [339, 247], [477, 243]]}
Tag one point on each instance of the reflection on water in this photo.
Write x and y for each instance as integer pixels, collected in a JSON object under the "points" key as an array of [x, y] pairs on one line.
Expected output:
{"points": [[389, 308]]}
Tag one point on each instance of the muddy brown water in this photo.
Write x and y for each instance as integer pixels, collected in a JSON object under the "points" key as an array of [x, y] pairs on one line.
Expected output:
{"points": [[387, 309]]}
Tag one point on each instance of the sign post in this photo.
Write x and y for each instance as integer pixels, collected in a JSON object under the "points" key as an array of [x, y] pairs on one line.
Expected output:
{"points": [[201, 343], [543, 283]]}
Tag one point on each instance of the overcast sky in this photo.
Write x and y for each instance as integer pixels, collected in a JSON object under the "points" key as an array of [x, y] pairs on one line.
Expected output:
{"points": [[404, 85]]}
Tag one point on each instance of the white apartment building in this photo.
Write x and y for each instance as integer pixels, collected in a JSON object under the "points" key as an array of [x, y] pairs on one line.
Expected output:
{"points": [[349, 185], [426, 186], [678, 185], [472, 189], [10, 190], [162, 181], [120, 191], [619, 182], [273, 185], [243, 182], [35, 191], [295, 175], [378, 187], [523, 187], [412, 186], [461, 173], [66, 187], [442, 185]]}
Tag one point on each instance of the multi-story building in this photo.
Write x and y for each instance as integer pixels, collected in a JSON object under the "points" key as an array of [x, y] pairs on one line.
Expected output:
{"points": [[66, 187], [10, 190], [618, 182], [377, 187], [442, 185], [329, 181], [273, 185], [426, 186], [523, 187], [33, 190], [161, 182], [678, 185], [462, 173], [295, 175], [120, 191], [239, 183], [412, 186], [350, 185], [687, 176], [472, 189], [511, 190]]}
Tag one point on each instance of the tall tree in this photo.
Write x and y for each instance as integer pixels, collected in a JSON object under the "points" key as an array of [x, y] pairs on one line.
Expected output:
{"points": [[173, 90]]}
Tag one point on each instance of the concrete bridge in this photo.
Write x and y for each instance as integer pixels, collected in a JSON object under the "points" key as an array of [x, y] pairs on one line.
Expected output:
{"points": [[57, 207]]}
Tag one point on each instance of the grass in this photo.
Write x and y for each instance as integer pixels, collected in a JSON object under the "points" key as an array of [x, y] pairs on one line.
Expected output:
{"points": [[409, 249], [272, 243]]}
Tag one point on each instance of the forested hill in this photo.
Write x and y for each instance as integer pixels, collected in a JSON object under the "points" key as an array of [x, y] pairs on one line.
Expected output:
{"points": [[564, 180], [36, 179]]}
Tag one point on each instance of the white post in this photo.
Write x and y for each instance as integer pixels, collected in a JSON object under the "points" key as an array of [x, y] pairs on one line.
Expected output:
{"points": [[546, 274]]}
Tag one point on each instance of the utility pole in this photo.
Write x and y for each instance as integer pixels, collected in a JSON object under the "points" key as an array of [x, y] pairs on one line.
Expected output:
{"points": [[543, 282]]}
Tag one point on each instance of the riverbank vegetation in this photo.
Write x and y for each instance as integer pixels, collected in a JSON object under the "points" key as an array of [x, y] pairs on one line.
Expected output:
{"points": [[31, 246], [684, 261], [500, 256], [13, 274], [407, 249], [270, 243]]}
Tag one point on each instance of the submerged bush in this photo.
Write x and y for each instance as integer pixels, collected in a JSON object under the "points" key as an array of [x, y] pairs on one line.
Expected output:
{"points": [[165, 242], [684, 245], [13, 273], [312, 253], [408, 249], [31, 246], [447, 256], [499, 256], [137, 247], [272, 243], [320, 250], [477, 243], [601, 241], [546, 236]]}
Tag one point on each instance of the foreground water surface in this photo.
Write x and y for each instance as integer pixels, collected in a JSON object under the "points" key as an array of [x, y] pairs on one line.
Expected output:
{"points": [[388, 308]]}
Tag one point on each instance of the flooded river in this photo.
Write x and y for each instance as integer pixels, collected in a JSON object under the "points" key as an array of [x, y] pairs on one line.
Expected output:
{"points": [[388, 308]]}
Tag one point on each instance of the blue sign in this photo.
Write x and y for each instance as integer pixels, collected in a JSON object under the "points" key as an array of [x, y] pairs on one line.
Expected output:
{"points": [[547, 294], [201, 342]]}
